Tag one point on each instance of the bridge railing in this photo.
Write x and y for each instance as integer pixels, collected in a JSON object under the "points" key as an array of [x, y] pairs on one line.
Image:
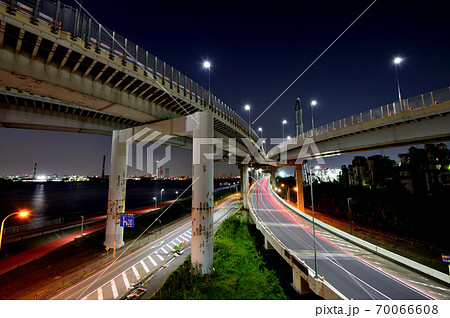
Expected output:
{"points": [[66, 18], [406, 105]]}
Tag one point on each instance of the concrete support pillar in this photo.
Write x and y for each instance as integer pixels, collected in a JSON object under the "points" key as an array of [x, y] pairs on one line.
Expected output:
{"points": [[116, 193], [273, 181], [202, 194], [244, 184], [299, 283], [267, 245], [299, 180]]}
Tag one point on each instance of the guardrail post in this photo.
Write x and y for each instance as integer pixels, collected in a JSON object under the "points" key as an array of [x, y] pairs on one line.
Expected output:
{"points": [[87, 39], [99, 37], [12, 8], [135, 63], [34, 18], [124, 54], [74, 34], [111, 52], [55, 25]]}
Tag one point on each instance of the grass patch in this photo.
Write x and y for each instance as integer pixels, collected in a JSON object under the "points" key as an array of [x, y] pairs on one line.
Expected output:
{"points": [[240, 272]]}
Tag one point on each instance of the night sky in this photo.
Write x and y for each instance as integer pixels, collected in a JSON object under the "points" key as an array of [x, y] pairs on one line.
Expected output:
{"points": [[257, 49]]}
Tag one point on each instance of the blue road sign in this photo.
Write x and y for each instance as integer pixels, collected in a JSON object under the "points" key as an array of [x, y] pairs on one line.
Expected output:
{"points": [[126, 219]]}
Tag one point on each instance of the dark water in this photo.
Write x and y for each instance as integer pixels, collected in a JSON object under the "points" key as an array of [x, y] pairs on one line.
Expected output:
{"points": [[49, 200]]}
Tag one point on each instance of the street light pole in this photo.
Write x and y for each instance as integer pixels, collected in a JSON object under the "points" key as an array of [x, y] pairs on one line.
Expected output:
{"points": [[397, 61], [313, 103], [314, 224], [177, 194], [82, 219], [156, 202], [3, 223], [207, 65], [162, 190], [349, 215], [282, 126], [261, 130], [247, 107]]}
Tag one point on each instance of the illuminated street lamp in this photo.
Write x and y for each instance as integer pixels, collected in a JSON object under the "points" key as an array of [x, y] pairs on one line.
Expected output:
{"points": [[156, 202], [176, 194], [397, 61], [162, 190], [21, 214], [284, 122], [247, 107], [207, 65]]}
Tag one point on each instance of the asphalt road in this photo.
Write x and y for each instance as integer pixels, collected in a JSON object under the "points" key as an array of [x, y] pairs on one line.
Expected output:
{"points": [[353, 276], [150, 264]]}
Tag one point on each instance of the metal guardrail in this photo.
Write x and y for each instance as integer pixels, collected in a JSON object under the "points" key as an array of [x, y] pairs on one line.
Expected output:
{"points": [[32, 226], [62, 17], [406, 105]]}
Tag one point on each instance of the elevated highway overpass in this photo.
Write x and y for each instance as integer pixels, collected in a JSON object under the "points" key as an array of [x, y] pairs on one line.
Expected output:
{"points": [[62, 70], [424, 118]]}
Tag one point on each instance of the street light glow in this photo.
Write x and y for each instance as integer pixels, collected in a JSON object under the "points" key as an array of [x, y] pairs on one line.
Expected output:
{"points": [[247, 107], [206, 64], [23, 213], [398, 60], [259, 129], [284, 122], [313, 103]]}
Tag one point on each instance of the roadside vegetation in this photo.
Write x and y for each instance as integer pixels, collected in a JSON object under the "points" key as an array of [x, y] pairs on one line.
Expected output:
{"points": [[240, 271]]}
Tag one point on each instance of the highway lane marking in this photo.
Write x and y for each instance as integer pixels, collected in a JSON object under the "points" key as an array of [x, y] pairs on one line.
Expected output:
{"points": [[152, 260], [100, 294], [169, 247], [144, 266], [124, 276], [125, 280], [135, 272], [114, 289]]}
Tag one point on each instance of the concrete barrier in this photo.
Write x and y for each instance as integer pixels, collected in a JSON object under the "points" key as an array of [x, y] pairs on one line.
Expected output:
{"points": [[371, 247]]}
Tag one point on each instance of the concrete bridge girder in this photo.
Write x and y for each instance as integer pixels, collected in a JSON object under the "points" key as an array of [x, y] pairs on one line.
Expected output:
{"points": [[426, 124]]}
